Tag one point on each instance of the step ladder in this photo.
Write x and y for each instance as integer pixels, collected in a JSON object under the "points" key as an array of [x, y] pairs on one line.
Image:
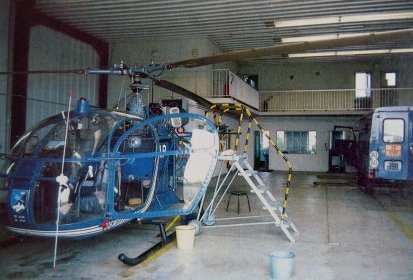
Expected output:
{"points": [[241, 167]]}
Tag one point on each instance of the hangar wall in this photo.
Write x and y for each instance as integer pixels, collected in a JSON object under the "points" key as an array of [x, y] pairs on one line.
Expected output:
{"points": [[327, 74], [332, 75], [48, 94], [302, 162], [4, 62]]}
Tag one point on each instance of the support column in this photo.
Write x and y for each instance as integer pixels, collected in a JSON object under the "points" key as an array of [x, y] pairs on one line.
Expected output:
{"points": [[26, 17], [21, 40]]}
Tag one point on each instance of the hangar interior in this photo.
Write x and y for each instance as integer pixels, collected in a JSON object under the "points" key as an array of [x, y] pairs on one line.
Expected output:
{"points": [[298, 98]]}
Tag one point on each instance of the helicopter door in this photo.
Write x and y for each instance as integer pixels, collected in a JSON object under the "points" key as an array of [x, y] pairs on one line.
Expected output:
{"points": [[134, 175]]}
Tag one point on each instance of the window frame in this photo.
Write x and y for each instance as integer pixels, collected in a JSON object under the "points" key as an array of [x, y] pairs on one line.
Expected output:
{"points": [[367, 90], [403, 130], [311, 148], [383, 83]]}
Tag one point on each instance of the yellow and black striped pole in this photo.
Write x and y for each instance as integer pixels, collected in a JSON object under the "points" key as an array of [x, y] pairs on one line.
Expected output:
{"points": [[217, 120], [290, 168], [226, 107], [247, 137], [239, 130]]}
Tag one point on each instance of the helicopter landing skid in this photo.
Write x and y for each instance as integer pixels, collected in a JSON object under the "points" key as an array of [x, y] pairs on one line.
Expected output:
{"points": [[165, 239]]}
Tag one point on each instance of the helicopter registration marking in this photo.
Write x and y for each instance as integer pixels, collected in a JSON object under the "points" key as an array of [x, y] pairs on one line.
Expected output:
{"points": [[162, 148]]}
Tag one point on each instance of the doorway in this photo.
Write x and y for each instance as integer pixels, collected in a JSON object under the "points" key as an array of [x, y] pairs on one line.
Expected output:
{"points": [[342, 149], [261, 149]]}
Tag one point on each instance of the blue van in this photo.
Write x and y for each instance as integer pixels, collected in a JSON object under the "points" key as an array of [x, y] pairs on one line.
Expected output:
{"points": [[390, 155]]}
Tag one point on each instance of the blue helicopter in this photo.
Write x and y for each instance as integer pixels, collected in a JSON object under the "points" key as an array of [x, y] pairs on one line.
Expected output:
{"points": [[87, 171]]}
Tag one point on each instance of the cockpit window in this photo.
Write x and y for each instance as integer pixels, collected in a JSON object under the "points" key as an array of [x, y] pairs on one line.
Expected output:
{"points": [[86, 135]]}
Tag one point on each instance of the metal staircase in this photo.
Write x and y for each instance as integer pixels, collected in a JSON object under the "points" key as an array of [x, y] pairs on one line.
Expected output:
{"points": [[241, 167]]}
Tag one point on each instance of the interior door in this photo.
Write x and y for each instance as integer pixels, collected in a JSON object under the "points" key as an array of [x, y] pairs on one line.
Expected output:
{"points": [[257, 148]]}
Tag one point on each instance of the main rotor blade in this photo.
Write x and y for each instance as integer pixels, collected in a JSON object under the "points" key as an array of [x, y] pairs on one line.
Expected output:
{"points": [[372, 38], [184, 92], [71, 71]]}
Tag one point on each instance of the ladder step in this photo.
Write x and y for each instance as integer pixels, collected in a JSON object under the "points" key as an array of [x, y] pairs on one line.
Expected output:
{"points": [[265, 196], [289, 224], [232, 156], [249, 172], [275, 208], [261, 189]]}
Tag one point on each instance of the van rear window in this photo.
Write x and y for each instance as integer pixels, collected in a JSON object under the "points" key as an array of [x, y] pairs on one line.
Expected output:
{"points": [[393, 130]]}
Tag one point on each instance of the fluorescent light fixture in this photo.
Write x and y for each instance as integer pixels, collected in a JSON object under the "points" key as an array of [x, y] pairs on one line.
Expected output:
{"points": [[364, 52], [343, 19], [306, 21], [320, 37], [349, 53], [295, 55], [401, 50], [309, 38]]}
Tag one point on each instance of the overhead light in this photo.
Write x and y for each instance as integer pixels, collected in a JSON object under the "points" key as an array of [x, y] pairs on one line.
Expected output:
{"points": [[401, 50], [341, 19], [319, 37], [364, 52], [295, 55], [349, 53], [305, 21]]}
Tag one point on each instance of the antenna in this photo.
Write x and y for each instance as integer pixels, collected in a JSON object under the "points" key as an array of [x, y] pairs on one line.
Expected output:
{"points": [[61, 179]]}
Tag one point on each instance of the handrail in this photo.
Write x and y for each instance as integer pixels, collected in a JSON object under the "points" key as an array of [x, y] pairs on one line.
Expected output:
{"points": [[334, 99], [226, 107], [222, 83]]}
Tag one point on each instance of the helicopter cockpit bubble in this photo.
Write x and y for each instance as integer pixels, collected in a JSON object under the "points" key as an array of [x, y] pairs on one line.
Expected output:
{"points": [[39, 154], [117, 168]]}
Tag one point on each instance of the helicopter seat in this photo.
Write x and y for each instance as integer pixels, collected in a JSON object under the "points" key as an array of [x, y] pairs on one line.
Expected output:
{"points": [[91, 200]]}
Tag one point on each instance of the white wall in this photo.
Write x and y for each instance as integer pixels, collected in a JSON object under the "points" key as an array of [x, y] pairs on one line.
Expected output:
{"points": [[4, 61], [48, 93], [301, 162], [293, 75]]}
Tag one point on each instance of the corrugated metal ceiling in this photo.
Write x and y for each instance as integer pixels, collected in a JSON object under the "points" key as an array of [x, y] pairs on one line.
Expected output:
{"points": [[231, 24]]}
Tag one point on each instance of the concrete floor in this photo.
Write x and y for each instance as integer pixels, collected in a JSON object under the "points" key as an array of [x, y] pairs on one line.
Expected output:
{"points": [[344, 234]]}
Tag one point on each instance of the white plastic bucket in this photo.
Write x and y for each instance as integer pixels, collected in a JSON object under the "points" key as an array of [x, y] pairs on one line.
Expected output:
{"points": [[185, 236], [281, 264]]}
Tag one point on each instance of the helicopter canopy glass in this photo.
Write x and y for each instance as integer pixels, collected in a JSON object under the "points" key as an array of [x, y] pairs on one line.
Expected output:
{"points": [[86, 134]]}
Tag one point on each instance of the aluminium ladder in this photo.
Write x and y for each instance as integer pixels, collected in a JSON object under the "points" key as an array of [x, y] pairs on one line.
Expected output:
{"points": [[241, 166]]}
